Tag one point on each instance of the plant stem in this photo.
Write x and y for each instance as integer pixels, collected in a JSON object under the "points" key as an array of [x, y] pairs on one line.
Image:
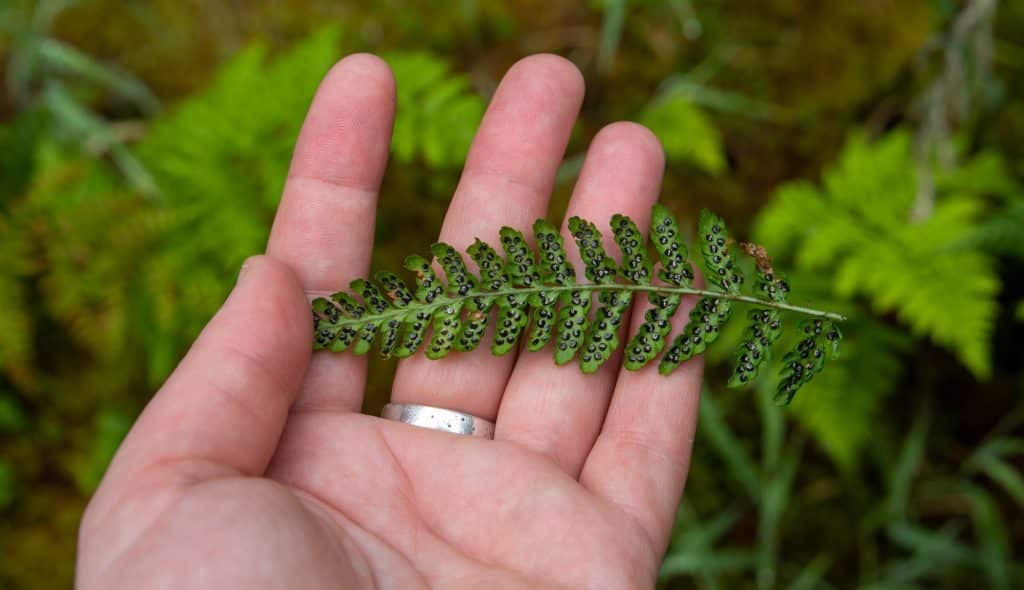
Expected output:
{"points": [[661, 289]]}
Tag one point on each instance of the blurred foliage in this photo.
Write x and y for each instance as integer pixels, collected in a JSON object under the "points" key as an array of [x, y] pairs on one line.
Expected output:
{"points": [[437, 112], [874, 147], [921, 526], [856, 226], [46, 73], [685, 132], [856, 230]]}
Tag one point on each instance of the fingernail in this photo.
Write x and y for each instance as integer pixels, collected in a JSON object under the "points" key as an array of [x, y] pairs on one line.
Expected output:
{"points": [[246, 266]]}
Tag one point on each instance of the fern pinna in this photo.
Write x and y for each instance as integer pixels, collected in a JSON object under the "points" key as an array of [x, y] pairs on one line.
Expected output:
{"points": [[542, 297]]}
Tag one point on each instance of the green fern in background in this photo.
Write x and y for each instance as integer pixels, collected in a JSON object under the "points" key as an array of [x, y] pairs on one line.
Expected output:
{"points": [[1001, 235], [686, 133], [15, 323], [438, 112], [17, 165], [220, 160], [852, 240], [103, 287], [82, 222], [844, 408], [856, 224]]}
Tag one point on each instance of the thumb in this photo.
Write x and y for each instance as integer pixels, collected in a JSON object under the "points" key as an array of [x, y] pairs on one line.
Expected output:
{"points": [[225, 405]]}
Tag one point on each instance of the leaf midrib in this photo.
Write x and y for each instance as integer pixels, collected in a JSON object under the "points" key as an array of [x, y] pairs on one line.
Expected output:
{"points": [[447, 299]]}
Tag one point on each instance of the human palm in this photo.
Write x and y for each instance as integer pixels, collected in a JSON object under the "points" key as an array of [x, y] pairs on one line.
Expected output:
{"points": [[253, 467]]}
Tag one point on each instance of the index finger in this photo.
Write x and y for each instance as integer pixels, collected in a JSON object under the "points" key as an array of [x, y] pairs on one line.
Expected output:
{"points": [[325, 222]]}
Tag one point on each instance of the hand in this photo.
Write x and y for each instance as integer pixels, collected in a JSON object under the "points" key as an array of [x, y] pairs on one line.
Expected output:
{"points": [[252, 466]]}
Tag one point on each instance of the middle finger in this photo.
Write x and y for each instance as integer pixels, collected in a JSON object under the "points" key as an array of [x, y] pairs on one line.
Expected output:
{"points": [[507, 180], [558, 410]]}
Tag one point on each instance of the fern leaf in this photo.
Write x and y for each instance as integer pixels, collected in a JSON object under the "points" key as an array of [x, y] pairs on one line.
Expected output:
{"points": [[765, 324], [428, 286], [446, 318], [764, 329], [554, 270], [842, 406], [447, 325], [520, 261], [326, 326], [719, 265], [705, 319], [710, 313], [461, 283], [521, 268], [543, 293], [636, 267], [573, 319], [396, 296], [377, 304], [602, 336], [934, 275], [675, 270], [495, 278], [439, 112], [668, 241], [399, 297], [599, 268], [687, 133], [396, 291], [573, 316], [800, 365], [428, 289]]}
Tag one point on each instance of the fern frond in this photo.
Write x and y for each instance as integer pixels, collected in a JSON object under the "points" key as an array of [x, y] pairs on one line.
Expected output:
{"points": [[710, 313], [800, 365], [556, 270], [686, 131], [15, 322], [439, 111], [542, 292], [602, 336], [765, 324], [1001, 235], [854, 228], [842, 407], [676, 271]]}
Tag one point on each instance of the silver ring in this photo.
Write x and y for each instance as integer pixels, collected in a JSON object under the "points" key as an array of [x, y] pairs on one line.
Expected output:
{"points": [[439, 419]]}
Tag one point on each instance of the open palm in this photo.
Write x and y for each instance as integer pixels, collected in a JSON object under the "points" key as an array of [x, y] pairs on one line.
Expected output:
{"points": [[252, 466]]}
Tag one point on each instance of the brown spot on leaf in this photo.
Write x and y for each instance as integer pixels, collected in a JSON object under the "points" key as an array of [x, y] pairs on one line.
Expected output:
{"points": [[760, 256]]}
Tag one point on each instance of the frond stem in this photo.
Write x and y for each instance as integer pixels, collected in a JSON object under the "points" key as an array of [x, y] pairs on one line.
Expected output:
{"points": [[395, 313]]}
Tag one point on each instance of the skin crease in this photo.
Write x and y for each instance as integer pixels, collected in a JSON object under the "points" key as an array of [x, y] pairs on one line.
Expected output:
{"points": [[251, 467]]}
